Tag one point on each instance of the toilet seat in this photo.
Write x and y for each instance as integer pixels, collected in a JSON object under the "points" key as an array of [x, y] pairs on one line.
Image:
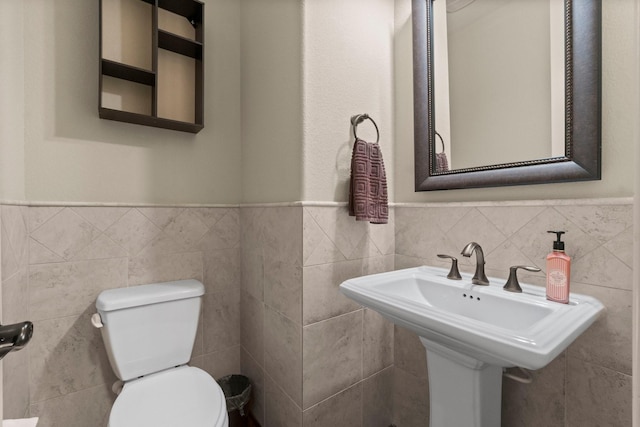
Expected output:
{"points": [[182, 396]]}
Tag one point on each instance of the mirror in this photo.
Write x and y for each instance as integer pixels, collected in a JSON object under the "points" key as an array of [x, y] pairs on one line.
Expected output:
{"points": [[510, 89]]}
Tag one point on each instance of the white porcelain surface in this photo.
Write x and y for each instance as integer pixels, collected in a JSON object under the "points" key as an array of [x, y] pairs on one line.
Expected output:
{"points": [[182, 396], [138, 320], [25, 422], [485, 322]]}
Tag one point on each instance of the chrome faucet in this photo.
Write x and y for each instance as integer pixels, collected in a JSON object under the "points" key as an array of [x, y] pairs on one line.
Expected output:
{"points": [[14, 337], [480, 278]]}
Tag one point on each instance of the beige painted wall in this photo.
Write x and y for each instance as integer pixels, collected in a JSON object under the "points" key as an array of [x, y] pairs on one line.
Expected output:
{"points": [[72, 155], [11, 101], [271, 100], [295, 133], [500, 107], [348, 69], [61, 151], [307, 67], [619, 78]]}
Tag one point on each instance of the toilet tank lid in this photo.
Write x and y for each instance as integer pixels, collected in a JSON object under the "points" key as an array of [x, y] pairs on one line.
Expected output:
{"points": [[117, 299]]}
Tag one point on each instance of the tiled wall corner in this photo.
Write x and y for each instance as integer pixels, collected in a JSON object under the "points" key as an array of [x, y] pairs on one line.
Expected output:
{"points": [[15, 259], [410, 399], [60, 258], [296, 326], [335, 346], [339, 336], [377, 404], [271, 312], [344, 409], [590, 383], [1, 319]]}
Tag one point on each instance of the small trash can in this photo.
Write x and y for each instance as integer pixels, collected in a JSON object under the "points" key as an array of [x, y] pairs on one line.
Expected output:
{"points": [[237, 391]]}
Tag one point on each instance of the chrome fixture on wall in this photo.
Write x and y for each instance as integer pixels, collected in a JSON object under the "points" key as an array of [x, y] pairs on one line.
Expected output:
{"points": [[14, 337], [359, 118]]}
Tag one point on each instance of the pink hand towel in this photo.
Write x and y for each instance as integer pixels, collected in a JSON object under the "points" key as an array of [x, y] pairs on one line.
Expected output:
{"points": [[368, 187]]}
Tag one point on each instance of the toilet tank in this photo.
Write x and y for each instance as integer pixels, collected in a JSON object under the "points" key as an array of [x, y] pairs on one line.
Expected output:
{"points": [[149, 328]]}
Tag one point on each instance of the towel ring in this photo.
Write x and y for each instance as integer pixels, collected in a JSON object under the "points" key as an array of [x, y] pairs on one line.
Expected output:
{"points": [[441, 140], [359, 118]]}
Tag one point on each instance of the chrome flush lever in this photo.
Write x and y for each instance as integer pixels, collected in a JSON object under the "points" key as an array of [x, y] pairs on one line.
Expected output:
{"points": [[512, 284], [454, 273], [14, 337]]}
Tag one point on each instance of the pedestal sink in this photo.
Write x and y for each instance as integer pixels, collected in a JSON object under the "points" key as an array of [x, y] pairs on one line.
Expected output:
{"points": [[472, 332]]}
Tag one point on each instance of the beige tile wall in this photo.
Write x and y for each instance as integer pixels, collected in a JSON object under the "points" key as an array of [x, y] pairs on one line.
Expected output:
{"points": [[55, 262], [1, 363], [347, 350], [590, 384], [273, 309], [271, 312], [317, 358], [15, 264]]}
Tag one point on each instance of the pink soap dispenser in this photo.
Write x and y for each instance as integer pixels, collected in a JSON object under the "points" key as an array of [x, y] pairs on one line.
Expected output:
{"points": [[558, 271]]}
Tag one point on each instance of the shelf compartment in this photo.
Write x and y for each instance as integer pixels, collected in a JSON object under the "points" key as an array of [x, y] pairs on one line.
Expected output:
{"points": [[176, 86], [178, 44], [192, 10], [128, 38], [126, 95], [176, 24]]}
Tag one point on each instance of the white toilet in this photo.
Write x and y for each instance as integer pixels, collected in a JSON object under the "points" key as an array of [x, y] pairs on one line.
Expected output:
{"points": [[149, 331]]}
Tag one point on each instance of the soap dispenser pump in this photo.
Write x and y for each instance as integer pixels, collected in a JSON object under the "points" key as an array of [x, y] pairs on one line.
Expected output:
{"points": [[558, 271]]}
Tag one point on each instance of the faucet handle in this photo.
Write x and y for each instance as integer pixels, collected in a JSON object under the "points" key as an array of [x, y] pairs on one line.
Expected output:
{"points": [[454, 273], [512, 284]]}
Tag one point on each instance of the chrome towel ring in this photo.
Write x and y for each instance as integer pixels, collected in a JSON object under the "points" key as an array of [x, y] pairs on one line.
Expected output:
{"points": [[359, 118]]}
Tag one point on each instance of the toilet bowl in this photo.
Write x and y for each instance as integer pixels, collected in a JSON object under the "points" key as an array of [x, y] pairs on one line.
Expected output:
{"points": [[149, 331], [183, 396]]}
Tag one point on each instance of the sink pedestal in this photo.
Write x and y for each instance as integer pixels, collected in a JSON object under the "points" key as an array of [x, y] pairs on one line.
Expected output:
{"points": [[463, 391]]}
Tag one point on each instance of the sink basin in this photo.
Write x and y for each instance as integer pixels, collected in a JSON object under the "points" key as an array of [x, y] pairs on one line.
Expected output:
{"points": [[472, 332], [485, 322]]}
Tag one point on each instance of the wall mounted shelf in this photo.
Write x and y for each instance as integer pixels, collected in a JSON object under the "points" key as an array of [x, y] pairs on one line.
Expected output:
{"points": [[152, 63]]}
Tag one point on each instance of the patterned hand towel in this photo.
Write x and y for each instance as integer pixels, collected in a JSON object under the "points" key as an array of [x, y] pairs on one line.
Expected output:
{"points": [[368, 187]]}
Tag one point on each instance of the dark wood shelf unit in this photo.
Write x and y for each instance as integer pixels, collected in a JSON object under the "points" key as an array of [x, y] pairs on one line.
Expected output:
{"points": [[178, 44], [128, 72], [143, 119], [191, 10]]}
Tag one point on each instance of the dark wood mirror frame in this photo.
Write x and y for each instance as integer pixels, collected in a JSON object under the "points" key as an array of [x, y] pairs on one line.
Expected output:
{"points": [[581, 162]]}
